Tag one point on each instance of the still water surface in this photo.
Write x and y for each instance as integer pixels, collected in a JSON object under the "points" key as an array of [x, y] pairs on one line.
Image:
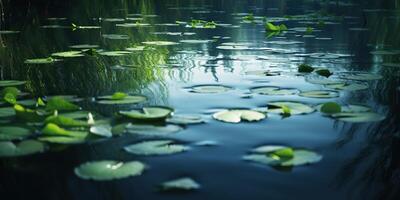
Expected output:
{"points": [[360, 160]]}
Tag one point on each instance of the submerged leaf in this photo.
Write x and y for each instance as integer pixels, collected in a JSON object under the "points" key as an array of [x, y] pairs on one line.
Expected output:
{"points": [[184, 184]]}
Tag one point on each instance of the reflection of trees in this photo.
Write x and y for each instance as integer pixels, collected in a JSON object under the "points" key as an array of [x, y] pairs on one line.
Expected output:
{"points": [[92, 75]]}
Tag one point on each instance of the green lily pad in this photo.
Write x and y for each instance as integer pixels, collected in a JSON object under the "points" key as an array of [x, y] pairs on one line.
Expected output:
{"points": [[61, 104], [195, 41], [358, 117], [155, 147], [13, 133], [54, 130], [84, 46], [236, 116], [114, 53], [68, 54], [210, 89], [180, 184], [107, 170], [315, 79], [148, 113], [27, 147], [110, 100], [185, 119], [319, 94], [101, 130], [65, 121], [160, 43], [296, 108], [271, 90], [61, 140], [282, 156], [115, 37], [10, 83], [38, 61], [151, 130], [330, 108], [7, 112], [348, 86], [362, 76]]}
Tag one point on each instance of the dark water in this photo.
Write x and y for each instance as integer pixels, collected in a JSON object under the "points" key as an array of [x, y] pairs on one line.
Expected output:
{"points": [[360, 160]]}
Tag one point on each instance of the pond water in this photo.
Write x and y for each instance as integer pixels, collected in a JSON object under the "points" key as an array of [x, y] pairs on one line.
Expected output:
{"points": [[321, 81]]}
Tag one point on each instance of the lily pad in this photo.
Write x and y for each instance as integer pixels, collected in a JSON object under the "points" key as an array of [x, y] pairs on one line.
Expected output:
{"points": [[107, 170], [54, 130], [38, 61], [68, 54], [358, 117], [282, 156], [114, 53], [61, 139], [115, 37], [186, 119], [296, 108], [65, 121], [271, 90], [13, 133], [362, 76], [319, 94], [330, 108], [27, 147], [101, 130], [180, 184], [151, 130], [110, 100], [84, 46], [348, 86], [148, 113], [155, 147], [61, 104], [160, 43], [236, 116], [210, 89], [7, 112]]}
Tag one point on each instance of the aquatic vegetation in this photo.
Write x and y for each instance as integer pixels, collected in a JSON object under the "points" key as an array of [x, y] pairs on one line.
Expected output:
{"points": [[152, 130], [304, 68], [210, 89], [270, 27], [236, 116], [282, 156], [148, 113], [106, 170], [24, 148], [13, 133], [185, 119], [271, 90], [319, 94], [11, 83], [180, 184], [155, 147], [196, 23], [121, 98], [287, 107], [38, 61]]}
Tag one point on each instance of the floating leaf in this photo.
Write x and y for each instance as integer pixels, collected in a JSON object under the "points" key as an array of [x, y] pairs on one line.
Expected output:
{"points": [[271, 90], [38, 61], [101, 130], [119, 96], [114, 53], [113, 100], [155, 147], [185, 184], [27, 147], [68, 54], [10, 94], [236, 116], [319, 94], [28, 114], [281, 156], [362, 76], [358, 117], [151, 130], [348, 86], [331, 108], [324, 72], [13, 133], [149, 113], [210, 89], [10, 83], [54, 130], [60, 104], [160, 43], [84, 46], [109, 170], [304, 68], [7, 112], [115, 37], [62, 140], [295, 108], [65, 121], [185, 119]]}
